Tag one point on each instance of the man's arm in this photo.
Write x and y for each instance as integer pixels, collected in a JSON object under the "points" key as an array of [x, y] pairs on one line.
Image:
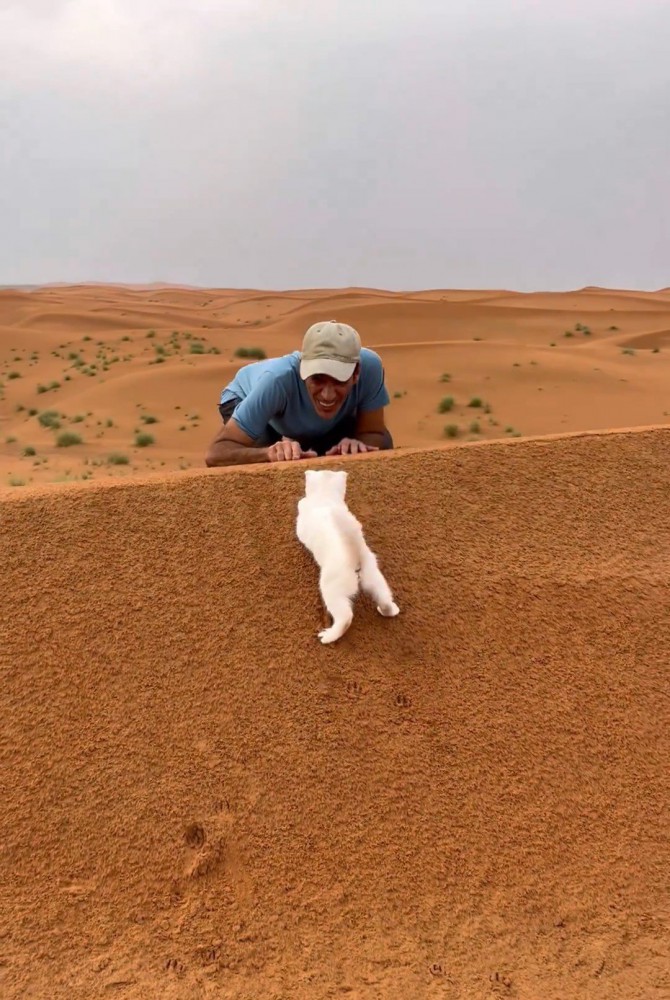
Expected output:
{"points": [[370, 434], [232, 446], [371, 427]]}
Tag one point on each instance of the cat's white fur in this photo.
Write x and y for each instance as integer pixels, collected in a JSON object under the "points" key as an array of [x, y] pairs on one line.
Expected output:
{"points": [[326, 527]]}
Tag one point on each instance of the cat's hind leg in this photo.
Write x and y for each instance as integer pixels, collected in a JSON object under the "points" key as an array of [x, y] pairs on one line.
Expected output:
{"points": [[337, 590], [374, 583]]}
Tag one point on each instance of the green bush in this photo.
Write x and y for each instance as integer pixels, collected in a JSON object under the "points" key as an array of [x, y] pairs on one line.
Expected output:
{"points": [[67, 439], [451, 430], [446, 404], [250, 352], [143, 440], [49, 418], [117, 459]]}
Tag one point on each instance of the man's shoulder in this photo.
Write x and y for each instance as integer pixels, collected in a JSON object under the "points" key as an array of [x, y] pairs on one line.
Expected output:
{"points": [[370, 359], [372, 366], [273, 369], [284, 366]]}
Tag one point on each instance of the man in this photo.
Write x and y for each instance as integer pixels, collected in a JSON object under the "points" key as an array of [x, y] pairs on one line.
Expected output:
{"points": [[327, 399]]}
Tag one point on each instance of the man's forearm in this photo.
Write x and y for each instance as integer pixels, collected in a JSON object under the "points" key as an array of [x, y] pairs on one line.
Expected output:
{"points": [[230, 453], [374, 438]]}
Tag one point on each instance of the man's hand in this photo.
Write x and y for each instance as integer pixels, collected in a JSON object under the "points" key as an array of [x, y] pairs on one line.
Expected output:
{"points": [[287, 450], [350, 446]]}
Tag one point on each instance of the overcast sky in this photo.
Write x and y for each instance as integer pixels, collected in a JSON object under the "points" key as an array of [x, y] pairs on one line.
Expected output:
{"points": [[293, 143]]}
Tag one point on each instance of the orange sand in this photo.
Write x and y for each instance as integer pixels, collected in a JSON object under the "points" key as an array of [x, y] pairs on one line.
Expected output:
{"points": [[495, 345], [469, 801]]}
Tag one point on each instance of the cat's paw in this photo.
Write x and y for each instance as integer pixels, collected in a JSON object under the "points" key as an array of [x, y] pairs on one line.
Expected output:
{"points": [[329, 635], [389, 610]]}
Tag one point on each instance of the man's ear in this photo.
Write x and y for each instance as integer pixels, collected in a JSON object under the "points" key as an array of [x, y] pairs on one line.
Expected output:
{"points": [[357, 372]]}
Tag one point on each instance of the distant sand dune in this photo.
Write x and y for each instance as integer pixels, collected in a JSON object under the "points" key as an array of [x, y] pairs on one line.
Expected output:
{"points": [[647, 341]]}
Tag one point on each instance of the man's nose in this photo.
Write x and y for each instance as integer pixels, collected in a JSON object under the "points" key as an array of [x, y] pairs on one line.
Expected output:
{"points": [[328, 393]]}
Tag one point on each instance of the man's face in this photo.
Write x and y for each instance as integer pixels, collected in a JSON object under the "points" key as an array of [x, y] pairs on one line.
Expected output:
{"points": [[327, 394]]}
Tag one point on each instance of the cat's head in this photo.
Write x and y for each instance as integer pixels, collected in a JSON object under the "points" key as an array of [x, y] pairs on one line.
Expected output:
{"points": [[325, 483]]}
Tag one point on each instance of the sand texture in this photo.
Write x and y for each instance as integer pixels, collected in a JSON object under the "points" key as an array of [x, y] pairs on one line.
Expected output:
{"points": [[107, 363], [467, 802]]}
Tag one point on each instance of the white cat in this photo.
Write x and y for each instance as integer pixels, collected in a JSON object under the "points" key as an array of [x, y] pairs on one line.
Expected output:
{"points": [[326, 527]]}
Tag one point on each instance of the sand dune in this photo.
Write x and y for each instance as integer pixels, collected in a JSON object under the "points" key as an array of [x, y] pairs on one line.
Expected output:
{"points": [[468, 801], [95, 354]]}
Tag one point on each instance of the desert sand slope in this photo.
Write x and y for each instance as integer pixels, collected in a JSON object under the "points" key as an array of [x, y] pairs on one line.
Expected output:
{"points": [[469, 801]]}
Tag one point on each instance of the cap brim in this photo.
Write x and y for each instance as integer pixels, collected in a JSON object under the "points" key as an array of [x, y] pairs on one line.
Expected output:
{"points": [[340, 370]]}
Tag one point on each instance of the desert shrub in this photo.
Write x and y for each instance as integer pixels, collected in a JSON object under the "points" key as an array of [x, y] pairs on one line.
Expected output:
{"points": [[28, 451], [143, 440], [67, 439], [475, 402], [117, 459], [250, 352], [446, 404], [451, 430], [49, 418]]}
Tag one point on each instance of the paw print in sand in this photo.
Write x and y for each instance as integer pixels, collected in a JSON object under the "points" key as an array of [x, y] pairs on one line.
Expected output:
{"points": [[194, 835]]}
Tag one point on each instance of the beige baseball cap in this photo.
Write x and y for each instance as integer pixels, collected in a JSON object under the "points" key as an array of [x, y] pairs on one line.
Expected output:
{"points": [[330, 348]]}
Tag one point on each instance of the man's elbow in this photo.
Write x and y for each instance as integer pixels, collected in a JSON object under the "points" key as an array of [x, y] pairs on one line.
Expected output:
{"points": [[214, 457], [380, 439]]}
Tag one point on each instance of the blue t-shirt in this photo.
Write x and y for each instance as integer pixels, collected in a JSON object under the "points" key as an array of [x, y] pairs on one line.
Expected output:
{"points": [[273, 394]]}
